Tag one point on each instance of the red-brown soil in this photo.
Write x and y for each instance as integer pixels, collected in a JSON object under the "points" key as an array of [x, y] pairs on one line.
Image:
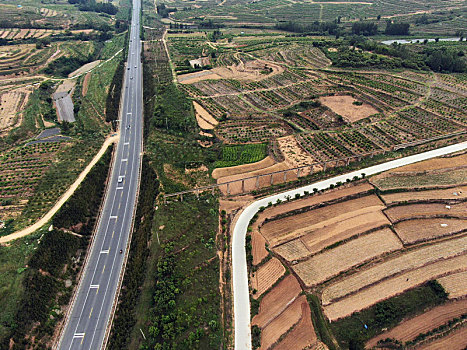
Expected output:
{"points": [[258, 247], [277, 300], [456, 340]]}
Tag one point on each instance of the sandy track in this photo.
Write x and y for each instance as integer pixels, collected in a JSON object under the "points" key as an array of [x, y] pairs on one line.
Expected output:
{"points": [[47, 217], [408, 330]]}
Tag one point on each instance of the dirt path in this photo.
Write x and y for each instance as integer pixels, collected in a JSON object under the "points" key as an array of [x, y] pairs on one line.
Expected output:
{"points": [[47, 217]]}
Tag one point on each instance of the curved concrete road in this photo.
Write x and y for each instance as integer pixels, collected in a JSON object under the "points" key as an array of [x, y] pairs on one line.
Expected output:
{"points": [[239, 266]]}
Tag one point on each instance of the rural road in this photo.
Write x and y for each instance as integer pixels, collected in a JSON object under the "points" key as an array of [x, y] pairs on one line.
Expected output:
{"points": [[90, 315], [47, 217], [239, 266]]}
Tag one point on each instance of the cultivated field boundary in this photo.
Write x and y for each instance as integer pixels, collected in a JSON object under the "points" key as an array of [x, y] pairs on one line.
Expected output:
{"points": [[242, 220]]}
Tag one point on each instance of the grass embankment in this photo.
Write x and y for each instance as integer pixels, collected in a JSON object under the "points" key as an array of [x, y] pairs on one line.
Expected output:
{"points": [[39, 272], [242, 154], [177, 303]]}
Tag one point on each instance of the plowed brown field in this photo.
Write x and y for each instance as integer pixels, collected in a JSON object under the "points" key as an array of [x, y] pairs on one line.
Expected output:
{"points": [[323, 266], [283, 230], [459, 192], [455, 284], [282, 323], [391, 287], [456, 340], [313, 200], [417, 210], [408, 330], [277, 300], [302, 336], [266, 276], [258, 247], [407, 261], [419, 230]]}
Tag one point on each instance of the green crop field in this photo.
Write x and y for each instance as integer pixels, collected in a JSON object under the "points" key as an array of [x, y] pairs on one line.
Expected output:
{"points": [[242, 154]]}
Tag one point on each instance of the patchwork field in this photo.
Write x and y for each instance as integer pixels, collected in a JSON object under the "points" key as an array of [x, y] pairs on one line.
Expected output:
{"points": [[356, 251], [266, 275]]}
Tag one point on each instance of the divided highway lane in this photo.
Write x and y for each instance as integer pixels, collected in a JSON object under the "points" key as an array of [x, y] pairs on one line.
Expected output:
{"points": [[240, 274], [89, 317]]}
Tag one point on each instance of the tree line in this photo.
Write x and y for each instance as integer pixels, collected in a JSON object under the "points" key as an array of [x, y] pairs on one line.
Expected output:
{"points": [[92, 5]]}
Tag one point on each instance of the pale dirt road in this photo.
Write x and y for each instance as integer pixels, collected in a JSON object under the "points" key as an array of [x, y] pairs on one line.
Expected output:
{"points": [[47, 217]]}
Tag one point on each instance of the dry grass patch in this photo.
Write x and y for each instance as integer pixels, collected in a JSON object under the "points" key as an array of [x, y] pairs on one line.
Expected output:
{"points": [[419, 230], [455, 284], [242, 169], [266, 276], [282, 323], [295, 155], [344, 106], [409, 329], [258, 247], [391, 287], [322, 267], [302, 336], [283, 230], [84, 69], [11, 105], [453, 193], [195, 77], [277, 300], [407, 261], [402, 212]]}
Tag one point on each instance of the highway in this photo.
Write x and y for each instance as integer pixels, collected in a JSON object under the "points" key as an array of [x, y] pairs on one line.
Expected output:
{"points": [[91, 310], [239, 265]]}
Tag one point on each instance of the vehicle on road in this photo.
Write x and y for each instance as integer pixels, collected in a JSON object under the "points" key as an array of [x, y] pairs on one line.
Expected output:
{"points": [[120, 179], [121, 251]]}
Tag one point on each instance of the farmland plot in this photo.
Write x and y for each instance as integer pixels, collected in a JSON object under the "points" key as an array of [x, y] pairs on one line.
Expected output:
{"points": [[455, 284], [322, 267], [453, 341], [346, 106], [277, 300], [266, 276], [419, 230], [391, 287], [259, 251], [282, 230], [282, 323], [409, 329], [453, 193], [402, 212], [407, 261]]}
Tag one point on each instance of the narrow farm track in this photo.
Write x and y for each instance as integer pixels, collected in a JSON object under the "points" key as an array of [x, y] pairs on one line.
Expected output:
{"points": [[241, 222], [47, 217]]}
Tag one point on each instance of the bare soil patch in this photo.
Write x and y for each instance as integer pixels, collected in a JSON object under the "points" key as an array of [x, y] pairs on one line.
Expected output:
{"points": [[204, 119], [66, 86], [459, 192], [192, 78], [282, 323], [283, 230], [302, 336], [258, 247], [455, 284], [343, 105], [242, 169], [456, 340], [266, 276], [408, 330], [392, 286], [295, 156], [250, 70], [401, 263], [402, 212], [277, 300], [11, 105], [87, 77], [321, 267], [418, 230]]}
